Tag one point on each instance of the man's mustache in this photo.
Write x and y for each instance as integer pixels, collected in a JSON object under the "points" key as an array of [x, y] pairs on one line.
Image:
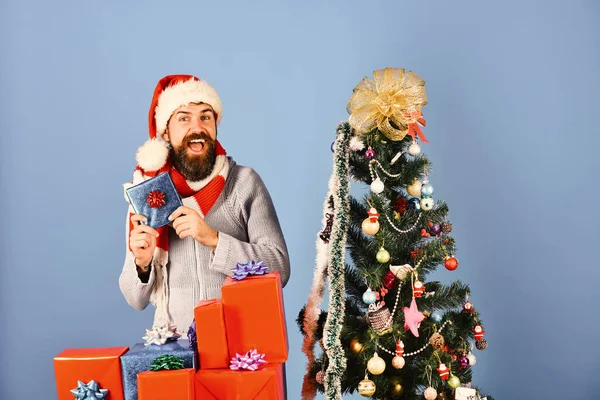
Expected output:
{"points": [[198, 135]]}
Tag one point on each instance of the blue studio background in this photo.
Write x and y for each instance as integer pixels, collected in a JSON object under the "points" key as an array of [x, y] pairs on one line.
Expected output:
{"points": [[512, 123]]}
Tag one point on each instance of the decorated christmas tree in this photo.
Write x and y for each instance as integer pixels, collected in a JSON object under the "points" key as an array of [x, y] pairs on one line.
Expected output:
{"points": [[389, 332]]}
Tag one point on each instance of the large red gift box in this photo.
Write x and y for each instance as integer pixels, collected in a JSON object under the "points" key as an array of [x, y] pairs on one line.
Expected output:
{"points": [[102, 365], [266, 383], [210, 334], [166, 385], [254, 316]]}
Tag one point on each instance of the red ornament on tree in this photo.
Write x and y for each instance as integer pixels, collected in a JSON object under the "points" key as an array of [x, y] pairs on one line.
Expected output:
{"points": [[156, 199], [444, 371], [418, 289], [424, 233], [399, 348], [400, 205], [415, 253], [468, 307], [478, 331], [389, 279], [451, 263]]}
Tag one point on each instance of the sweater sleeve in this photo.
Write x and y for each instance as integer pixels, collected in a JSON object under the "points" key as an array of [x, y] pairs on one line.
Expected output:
{"points": [[136, 292], [265, 238]]}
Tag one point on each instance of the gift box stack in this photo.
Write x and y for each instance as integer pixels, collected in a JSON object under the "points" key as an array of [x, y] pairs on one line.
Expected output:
{"points": [[243, 355], [238, 352]]}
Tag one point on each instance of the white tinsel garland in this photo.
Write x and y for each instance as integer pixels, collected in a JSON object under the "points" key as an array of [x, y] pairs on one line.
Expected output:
{"points": [[330, 262]]}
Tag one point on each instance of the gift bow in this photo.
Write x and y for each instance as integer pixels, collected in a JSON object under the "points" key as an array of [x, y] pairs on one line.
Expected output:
{"points": [[160, 335], [250, 361], [391, 102], [250, 268], [166, 362], [89, 391]]}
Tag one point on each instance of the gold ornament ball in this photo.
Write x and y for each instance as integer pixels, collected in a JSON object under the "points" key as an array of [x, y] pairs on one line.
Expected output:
{"points": [[383, 255], [430, 393], [370, 228], [454, 382], [414, 189], [356, 346], [398, 362], [366, 388], [397, 386], [376, 365]]}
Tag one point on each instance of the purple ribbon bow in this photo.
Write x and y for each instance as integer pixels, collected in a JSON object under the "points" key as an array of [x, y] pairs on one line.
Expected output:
{"points": [[250, 268], [250, 361]]}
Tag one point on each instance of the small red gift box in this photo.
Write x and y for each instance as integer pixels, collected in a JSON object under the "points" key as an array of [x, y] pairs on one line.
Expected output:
{"points": [[166, 385], [102, 365], [210, 334], [255, 317], [266, 383]]}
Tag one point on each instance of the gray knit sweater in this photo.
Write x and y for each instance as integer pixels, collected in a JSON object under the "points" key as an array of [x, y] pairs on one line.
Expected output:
{"points": [[248, 229]]}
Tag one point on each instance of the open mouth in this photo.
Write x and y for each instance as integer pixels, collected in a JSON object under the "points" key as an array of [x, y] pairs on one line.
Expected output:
{"points": [[196, 146]]}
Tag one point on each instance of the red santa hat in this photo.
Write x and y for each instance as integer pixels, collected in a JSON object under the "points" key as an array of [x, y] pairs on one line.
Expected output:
{"points": [[172, 92]]}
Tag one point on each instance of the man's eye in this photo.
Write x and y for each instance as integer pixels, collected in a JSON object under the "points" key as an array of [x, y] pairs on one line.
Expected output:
{"points": [[206, 117], [183, 119]]}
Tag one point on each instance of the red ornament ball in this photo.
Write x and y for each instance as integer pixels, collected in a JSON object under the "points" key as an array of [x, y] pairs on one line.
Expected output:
{"points": [[451, 263], [389, 279]]}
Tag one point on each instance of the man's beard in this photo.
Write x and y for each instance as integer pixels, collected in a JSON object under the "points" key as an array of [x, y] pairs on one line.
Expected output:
{"points": [[195, 167]]}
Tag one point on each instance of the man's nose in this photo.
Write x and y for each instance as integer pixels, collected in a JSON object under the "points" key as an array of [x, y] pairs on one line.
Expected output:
{"points": [[196, 124]]}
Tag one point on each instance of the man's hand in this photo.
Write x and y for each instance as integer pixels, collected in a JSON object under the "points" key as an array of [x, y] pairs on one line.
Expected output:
{"points": [[142, 241], [188, 223]]}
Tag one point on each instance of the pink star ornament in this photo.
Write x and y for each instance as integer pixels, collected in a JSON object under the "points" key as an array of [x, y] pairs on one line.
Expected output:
{"points": [[412, 318]]}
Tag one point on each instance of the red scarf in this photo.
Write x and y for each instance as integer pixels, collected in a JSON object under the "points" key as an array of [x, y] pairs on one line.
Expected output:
{"points": [[199, 196]]}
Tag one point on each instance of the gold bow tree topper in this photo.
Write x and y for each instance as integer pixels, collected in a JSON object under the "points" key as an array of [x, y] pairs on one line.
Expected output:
{"points": [[391, 102]]}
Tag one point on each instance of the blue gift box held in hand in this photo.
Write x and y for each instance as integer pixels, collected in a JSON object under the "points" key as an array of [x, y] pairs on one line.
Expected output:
{"points": [[155, 198]]}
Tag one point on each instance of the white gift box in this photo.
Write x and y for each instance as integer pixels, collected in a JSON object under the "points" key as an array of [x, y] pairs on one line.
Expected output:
{"points": [[462, 393]]}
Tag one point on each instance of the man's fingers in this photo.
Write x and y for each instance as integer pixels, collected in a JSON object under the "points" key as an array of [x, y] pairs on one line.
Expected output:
{"points": [[181, 220], [146, 229], [181, 210], [139, 244], [138, 218], [182, 227]]}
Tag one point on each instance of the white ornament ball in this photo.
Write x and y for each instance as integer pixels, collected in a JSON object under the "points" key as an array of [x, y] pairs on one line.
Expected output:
{"points": [[370, 228], [430, 393], [414, 149], [427, 203], [414, 189], [376, 365], [398, 362], [472, 359], [377, 186]]}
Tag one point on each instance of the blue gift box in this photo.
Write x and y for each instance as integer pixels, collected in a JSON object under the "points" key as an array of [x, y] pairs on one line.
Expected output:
{"points": [[139, 359], [155, 198]]}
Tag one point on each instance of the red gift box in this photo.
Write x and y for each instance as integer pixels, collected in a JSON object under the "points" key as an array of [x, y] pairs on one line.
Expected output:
{"points": [[166, 385], [255, 317], [266, 383], [102, 365], [210, 334]]}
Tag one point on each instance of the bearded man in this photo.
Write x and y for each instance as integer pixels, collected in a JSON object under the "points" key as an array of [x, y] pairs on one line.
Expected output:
{"points": [[227, 218]]}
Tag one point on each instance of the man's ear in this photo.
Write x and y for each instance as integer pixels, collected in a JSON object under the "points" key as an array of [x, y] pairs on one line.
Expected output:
{"points": [[165, 135]]}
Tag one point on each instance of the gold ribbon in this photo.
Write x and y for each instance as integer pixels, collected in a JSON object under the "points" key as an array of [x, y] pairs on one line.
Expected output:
{"points": [[391, 102]]}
